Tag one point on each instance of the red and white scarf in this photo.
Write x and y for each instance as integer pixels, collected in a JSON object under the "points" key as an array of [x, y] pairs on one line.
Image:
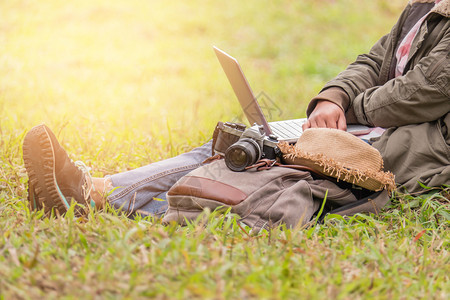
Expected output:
{"points": [[405, 46]]}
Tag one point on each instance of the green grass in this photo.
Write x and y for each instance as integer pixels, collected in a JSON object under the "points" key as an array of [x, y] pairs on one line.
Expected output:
{"points": [[112, 78]]}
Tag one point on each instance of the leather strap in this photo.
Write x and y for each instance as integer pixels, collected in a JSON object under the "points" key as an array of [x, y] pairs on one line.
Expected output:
{"points": [[266, 164], [212, 159]]}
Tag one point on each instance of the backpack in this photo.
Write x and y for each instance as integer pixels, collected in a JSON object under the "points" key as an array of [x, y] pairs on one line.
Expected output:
{"points": [[268, 195]]}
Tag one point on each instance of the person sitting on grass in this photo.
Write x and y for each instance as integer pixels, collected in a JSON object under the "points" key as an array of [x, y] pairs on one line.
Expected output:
{"points": [[402, 84]]}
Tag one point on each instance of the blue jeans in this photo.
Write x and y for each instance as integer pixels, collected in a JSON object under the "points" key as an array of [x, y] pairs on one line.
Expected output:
{"points": [[144, 190]]}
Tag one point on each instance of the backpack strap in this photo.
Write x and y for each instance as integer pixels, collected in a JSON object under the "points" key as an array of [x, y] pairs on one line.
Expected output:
{"points": [[370, 204]]}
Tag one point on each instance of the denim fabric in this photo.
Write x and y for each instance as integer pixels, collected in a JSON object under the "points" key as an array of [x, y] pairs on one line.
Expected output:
{"points": [[143, 190]]}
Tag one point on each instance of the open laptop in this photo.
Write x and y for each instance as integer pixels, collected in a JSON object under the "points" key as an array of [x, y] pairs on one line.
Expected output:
{"points": [[288, 130]]}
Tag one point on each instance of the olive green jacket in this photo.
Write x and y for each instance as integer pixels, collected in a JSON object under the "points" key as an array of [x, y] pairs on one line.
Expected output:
{"points": [[414, 107]]}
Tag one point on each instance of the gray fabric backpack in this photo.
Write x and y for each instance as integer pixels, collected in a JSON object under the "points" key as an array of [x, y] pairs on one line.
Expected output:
{"points": [[267, 196]]}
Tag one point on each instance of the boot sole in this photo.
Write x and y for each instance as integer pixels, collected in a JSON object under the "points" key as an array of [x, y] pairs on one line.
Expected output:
{"points": [[39, 159]]}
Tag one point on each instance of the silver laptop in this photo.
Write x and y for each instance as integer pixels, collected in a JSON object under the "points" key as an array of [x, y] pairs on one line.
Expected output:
{"points": [[288, 130]]}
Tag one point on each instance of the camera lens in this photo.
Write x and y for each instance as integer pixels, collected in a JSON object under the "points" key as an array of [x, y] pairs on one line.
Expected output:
{"points": [[241, 154]]}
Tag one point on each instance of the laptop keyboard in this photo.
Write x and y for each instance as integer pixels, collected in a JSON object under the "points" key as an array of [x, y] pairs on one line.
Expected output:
{"points": [[287, 129]]}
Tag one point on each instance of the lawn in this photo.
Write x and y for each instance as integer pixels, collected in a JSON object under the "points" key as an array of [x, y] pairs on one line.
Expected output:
{"points": [[128, 82]]}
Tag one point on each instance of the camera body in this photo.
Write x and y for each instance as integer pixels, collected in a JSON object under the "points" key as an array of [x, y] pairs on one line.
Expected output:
{"points": [[242, 146]]}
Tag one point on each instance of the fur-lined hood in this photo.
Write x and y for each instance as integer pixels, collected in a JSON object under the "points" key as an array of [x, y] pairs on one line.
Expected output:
{"points": [[443, 8]]}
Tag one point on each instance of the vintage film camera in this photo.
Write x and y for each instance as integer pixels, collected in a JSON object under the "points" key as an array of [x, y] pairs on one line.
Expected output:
{"points": [[241, 146]]}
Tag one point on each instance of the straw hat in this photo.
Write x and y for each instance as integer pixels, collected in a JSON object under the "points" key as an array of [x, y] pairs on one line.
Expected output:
{"points": [[341, 155]]}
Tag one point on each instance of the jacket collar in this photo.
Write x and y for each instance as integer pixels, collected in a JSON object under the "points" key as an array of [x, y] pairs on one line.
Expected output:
{"points": [[443, 8]]}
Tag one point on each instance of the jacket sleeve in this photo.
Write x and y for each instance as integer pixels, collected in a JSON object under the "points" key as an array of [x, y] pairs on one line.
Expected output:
{"points": [[362, 74], [355, 79], [421, 95]]}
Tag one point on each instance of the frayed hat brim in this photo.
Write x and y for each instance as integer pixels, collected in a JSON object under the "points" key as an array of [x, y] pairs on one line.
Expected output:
{"points": [[369, 178]]}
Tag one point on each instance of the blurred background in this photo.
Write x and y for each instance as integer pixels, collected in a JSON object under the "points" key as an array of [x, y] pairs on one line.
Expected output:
{"points": [[128, 82]]}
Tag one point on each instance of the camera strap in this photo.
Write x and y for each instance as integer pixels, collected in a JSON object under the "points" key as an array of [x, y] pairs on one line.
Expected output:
{"points": [[267, 164]]}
